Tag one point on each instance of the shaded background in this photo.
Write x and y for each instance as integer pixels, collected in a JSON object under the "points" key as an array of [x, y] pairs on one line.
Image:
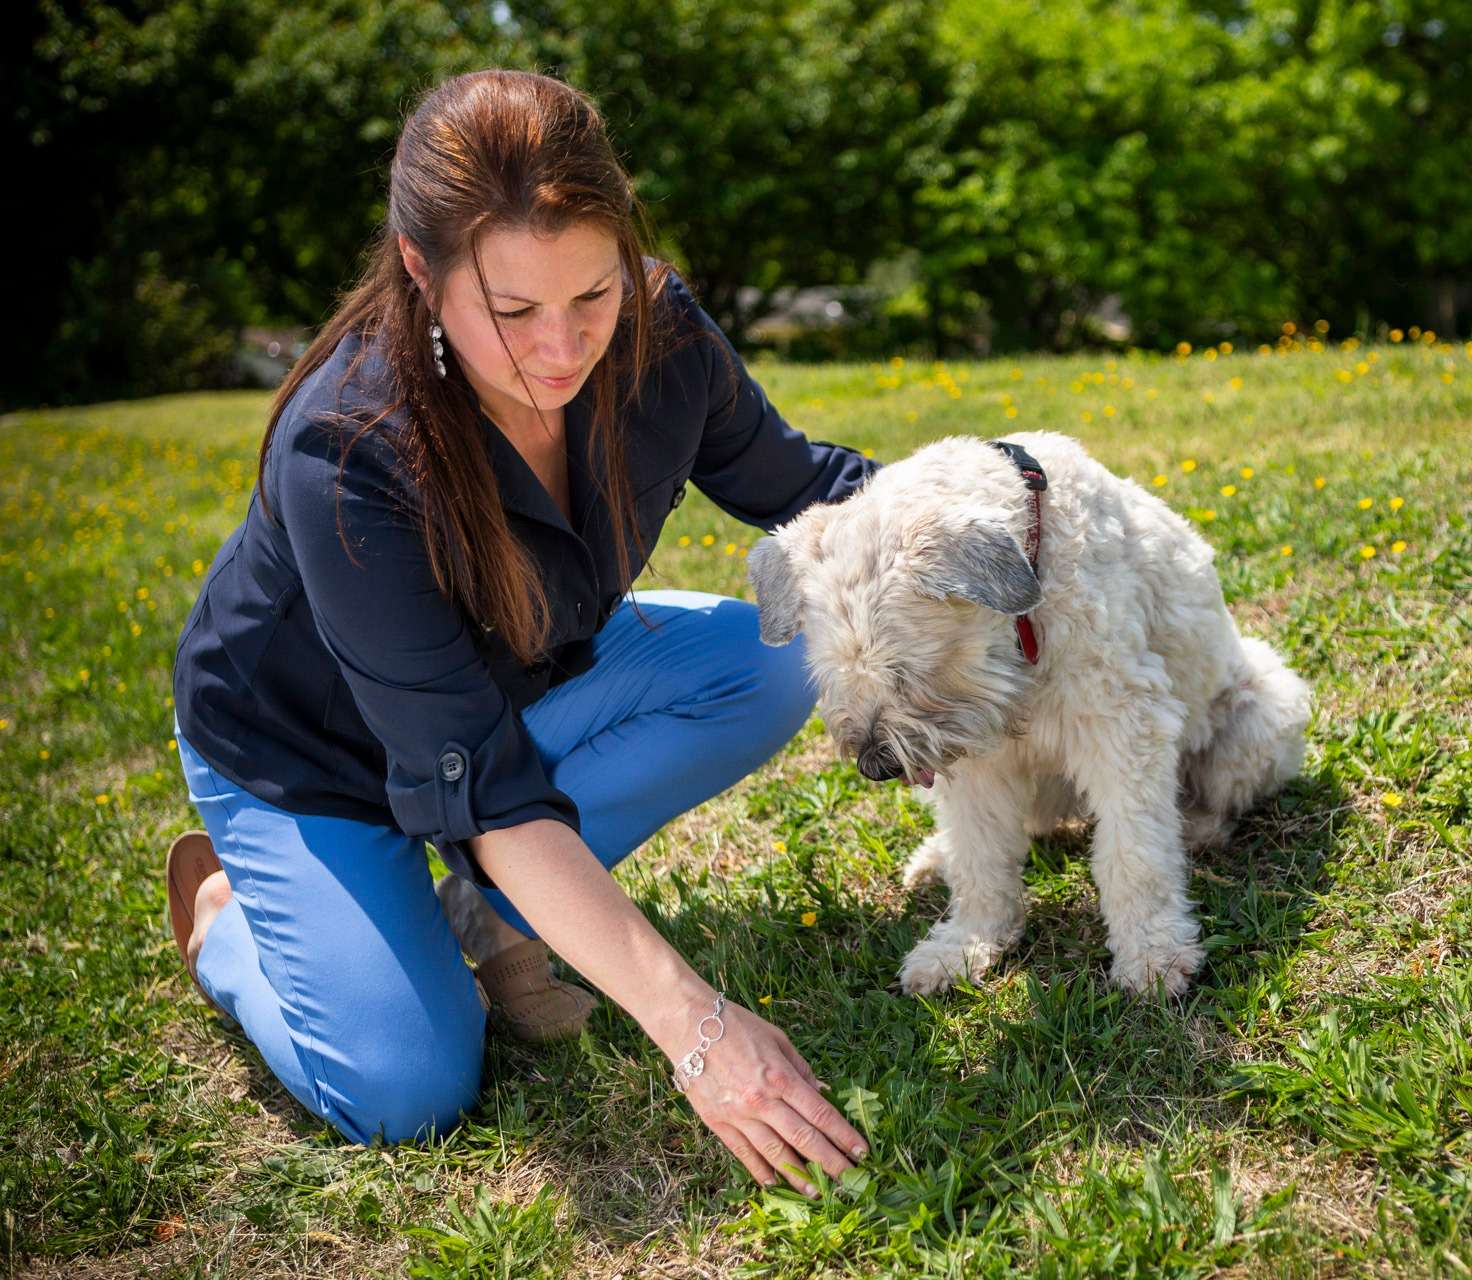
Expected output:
{"points": [[189, 182]]}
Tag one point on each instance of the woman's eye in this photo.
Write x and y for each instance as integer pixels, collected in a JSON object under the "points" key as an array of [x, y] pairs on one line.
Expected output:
{"points": [[593, 297], [513, 315]]}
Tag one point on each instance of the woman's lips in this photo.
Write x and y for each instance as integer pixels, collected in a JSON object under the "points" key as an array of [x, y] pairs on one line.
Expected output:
{"points": [[558, 383]]}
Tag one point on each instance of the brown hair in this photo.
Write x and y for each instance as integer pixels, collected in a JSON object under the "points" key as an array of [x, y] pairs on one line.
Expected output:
{"points": [[491, 150]]}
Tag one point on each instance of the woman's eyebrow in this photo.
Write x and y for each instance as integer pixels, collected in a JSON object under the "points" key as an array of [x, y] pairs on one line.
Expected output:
{"points": [[532, 302]]}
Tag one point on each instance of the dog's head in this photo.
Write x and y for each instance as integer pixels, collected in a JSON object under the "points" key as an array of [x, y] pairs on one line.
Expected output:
{"points": [[907, 614]]}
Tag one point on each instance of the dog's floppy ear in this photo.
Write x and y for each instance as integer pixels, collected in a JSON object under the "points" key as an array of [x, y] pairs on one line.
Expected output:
{"points": [[972, 556], [778, 597]]}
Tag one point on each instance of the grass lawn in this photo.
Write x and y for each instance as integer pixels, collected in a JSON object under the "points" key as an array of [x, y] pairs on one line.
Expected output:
{"points": [[1305, 1110]]}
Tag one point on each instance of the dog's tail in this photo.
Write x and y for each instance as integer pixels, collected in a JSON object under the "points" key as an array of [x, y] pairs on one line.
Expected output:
{"points": [[1258, 745]]}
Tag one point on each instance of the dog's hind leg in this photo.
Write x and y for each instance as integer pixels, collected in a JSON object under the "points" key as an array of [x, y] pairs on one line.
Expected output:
{"points": [[1257, 746], [980, 810], [927, 864], [1054, 803]]}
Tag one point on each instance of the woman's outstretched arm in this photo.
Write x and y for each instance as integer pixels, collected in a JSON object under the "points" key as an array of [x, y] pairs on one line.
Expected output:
{"points": [[757, 1094]]}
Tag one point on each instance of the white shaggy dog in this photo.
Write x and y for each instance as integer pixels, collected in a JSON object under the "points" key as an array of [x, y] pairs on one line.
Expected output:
{"points": [[1145, 710]]}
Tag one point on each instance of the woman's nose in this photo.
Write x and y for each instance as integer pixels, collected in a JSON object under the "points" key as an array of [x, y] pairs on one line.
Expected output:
{"points": [[562, 343]]}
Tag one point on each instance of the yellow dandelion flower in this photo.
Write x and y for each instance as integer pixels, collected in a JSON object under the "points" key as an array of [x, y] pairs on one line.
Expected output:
{"points": [[1265, 350], [1225, 348], [4, 724], [1366, 503], [1396, 335], [868, 453], [1362, 368], [1319, 482], [1188, 465], [1392, 799], [141, 593], [809, 918], [1016, 375], [1321, 326], [764, 1000], [1429, 337], [1247, 473], [1285, 550], [102, 798], [1158, 481], [135, 629], [45, 755], [1151, 393], [1011, 410], [1236, 384], [84, 675], [730, 548], [1367, 552], [198, 567], [708, 540], [1447, 378], [1109, 411], [1183, 348], [896, 362], [1228, 490], [1413, 332], [1209, 353], [743, 551], [1208, 514], [1344, 375], [1398, 546], [683, 540], [173, 745], [1086, 416], [1208, 396], [1397, 503]]}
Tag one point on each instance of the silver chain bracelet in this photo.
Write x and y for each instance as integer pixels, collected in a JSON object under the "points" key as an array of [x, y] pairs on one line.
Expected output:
{"points": [[693, 1063]]}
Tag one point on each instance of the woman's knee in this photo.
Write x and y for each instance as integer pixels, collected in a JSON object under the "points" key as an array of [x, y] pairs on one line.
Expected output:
{"points": [[412, 1097], [786, 688]]}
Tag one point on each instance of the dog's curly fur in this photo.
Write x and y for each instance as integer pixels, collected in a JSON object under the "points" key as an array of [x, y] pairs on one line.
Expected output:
{"points": [[1147, 711]]}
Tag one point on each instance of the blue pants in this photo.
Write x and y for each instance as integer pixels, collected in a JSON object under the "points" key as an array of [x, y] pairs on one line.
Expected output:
{"points": [[334, 955]]}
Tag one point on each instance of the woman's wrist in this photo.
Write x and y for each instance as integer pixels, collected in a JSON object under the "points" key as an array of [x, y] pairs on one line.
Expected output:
{"points": [[672, 1024]]}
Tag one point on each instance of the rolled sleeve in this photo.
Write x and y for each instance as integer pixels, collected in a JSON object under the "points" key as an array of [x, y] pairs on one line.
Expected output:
{"points": [[459, 759], [752, 463]]}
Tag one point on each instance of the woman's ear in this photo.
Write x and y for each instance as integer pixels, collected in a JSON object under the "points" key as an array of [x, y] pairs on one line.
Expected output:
{"points": [[414, 263]]}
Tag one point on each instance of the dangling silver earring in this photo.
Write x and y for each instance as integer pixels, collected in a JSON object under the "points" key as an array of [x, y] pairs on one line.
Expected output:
{"points": [[435, 334]]}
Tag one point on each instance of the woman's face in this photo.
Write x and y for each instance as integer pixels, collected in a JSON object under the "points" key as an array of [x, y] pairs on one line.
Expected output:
{"points": [[556, 304]]}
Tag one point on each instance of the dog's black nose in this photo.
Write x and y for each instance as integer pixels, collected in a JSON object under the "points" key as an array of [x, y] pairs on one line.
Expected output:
{"points": [[877, 762]]}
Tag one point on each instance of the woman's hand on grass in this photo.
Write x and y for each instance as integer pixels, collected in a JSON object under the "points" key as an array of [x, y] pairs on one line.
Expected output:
{"points": [[759, 1097]]}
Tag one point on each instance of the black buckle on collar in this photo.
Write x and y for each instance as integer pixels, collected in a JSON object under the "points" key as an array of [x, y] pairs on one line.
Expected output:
{"points": [[1032, 473]]}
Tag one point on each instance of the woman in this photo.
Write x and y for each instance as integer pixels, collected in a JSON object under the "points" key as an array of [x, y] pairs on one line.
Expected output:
{"points": [[420, 632]]}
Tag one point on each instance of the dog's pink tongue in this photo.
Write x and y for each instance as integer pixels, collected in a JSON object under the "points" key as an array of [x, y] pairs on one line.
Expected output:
{"points": [[924, 778]]}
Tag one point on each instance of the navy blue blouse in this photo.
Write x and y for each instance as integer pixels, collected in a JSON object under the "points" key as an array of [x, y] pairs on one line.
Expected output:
{"points": [[348, 685]]}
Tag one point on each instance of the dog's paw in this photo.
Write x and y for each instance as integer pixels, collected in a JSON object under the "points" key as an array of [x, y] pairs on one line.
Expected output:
{"points": [[938, 962], [926, 864], [1167, 952]]}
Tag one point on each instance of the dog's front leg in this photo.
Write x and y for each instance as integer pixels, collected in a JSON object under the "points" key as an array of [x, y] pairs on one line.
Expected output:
{"points": [[1139, 863], [980, 810]]}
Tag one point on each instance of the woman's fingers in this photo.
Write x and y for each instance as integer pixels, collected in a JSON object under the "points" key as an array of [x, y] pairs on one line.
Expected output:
{"points": [[741, 1147], [803, 1097], [798, 1061], [779, 1155]]}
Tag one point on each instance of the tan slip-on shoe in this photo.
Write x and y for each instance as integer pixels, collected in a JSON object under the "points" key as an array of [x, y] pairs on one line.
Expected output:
{"points": [[190, 863], [515, 983]]}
